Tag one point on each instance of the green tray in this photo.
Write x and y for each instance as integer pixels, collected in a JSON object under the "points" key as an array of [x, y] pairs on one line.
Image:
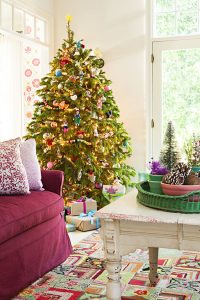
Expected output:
{"points": [[188, 203]]}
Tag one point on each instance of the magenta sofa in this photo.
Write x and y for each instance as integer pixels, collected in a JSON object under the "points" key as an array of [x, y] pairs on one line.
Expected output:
{"points": [[33, 237]]}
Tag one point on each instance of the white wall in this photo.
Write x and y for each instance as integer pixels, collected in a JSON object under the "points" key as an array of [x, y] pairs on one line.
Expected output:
{"points": [[118, 28]]}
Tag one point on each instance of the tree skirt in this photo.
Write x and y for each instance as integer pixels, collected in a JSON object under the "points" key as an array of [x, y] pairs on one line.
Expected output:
{"points": [[83, 276]]}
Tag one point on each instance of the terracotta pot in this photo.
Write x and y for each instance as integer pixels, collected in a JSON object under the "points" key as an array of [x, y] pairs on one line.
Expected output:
{"points": [[177, 190]]}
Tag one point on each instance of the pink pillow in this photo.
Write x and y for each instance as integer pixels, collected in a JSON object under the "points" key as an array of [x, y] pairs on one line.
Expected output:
{"points": [[13, 178], [31, 164]]}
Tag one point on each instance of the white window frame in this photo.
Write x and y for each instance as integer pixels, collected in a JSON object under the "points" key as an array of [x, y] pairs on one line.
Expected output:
{"points": [[37, 14], [154, 119]]}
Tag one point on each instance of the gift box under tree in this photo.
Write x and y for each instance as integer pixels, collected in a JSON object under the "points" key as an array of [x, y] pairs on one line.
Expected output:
{"points": [[83, 205], [84, 223]]}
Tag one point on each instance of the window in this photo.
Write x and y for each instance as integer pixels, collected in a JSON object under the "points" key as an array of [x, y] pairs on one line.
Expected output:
{"points": [[21, 21], [176, 76], [24, 60], [176, 17]]}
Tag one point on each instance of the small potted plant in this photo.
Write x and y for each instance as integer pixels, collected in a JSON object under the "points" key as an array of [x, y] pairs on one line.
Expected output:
{"points": [[192, 150], [157, 171]]}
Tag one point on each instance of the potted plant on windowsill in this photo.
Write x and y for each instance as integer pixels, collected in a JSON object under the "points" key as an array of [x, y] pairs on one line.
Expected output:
{"points": [[157, 171], [192, 150]]}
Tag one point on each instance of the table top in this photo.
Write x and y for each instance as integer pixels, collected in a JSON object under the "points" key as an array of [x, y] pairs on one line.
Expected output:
{"points": [[128, 208]]}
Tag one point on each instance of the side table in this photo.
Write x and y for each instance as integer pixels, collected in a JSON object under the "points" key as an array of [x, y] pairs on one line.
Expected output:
{"points": [[127, 225]]}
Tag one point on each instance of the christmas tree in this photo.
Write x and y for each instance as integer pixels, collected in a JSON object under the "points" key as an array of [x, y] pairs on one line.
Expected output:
{"points": [[75, 124], [169, 154]]}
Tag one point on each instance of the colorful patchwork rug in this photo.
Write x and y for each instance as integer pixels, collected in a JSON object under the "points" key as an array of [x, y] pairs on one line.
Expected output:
{"points": [[82, 276]]}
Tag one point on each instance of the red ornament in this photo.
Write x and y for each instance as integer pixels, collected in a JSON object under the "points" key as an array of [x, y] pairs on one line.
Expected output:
{"points": [[63, 62], [80, 134], [82, 46], [49, 142], [74, 158]]}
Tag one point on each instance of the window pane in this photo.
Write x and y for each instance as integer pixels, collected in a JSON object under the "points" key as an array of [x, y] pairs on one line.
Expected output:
{"points": [[186, 5], [40, 30], [165, 5], [187, 23], [6, 15], [18, 20], [165, 24], [181, 92], [29, 25]]}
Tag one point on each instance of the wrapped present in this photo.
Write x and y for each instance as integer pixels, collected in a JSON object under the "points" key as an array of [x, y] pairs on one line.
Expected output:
{"points": [[70, 227], [83, 205], [110, 191], [84, 222]]}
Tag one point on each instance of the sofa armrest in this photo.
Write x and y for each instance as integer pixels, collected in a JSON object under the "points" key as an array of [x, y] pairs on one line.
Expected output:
{"points": [[53, 181]]}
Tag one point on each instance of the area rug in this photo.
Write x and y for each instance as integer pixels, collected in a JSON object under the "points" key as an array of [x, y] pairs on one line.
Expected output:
{"points": [[82, 276]]}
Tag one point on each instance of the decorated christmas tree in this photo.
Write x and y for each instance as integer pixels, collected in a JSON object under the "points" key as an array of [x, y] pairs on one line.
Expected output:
{"points": [[75, 124], [169, 155]]}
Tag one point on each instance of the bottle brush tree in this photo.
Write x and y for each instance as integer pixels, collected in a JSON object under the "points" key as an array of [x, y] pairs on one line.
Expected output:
{"points": [[75, 124], [169, 154]]}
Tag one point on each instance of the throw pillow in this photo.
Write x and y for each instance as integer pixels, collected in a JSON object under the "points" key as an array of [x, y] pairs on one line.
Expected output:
{"points": [[13, 178], [31, 164]]}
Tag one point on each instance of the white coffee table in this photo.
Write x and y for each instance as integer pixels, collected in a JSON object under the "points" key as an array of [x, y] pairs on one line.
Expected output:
{"points": [[128, 225]]}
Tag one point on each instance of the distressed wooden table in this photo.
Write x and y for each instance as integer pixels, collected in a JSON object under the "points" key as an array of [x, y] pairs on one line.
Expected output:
{"points": [[128, 225]]}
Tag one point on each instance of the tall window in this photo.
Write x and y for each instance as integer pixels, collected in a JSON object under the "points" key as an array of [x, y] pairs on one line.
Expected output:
{"points": [[24, 56], [176, 70]]}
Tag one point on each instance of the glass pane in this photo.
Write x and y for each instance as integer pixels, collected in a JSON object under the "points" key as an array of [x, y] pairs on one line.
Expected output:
{"points": [[186, 5], [181, 92], [165, 5], [29, 25], [187, 23], [18, 20], [165, 24], [6, 15], [40, 30]]}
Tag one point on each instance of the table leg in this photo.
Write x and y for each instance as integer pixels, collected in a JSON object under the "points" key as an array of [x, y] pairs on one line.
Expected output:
{"points": [[113, 289], [153, 264]]}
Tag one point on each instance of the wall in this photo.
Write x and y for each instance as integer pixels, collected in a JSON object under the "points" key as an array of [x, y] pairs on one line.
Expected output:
{"points": [[118, 29]]}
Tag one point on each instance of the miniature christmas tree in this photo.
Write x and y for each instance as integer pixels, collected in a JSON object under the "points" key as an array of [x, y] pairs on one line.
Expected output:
{"points": [[169, 155], [75, 124]]}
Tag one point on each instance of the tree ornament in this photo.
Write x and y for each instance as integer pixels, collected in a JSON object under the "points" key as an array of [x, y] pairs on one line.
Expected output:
{"points": [[64, 62], [54, 124], [72, 78], [99, 103], [58, 73], [65, 127], [94, 115], [60, 86], [96, 131], [103, 99], [74, 97], [49, 142], [45, 135], [50, 165], [88, 93], [98, 185], [62, 105], [79, 175], [117, 181], [109, 114], [80, 134], [107, 88], [77, 117], [79, 44], [55, 103], [91, 176]]}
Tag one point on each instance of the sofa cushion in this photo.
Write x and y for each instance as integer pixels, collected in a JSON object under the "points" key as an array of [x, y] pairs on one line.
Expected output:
{"points": [[22, 212], [31, 164], [13, 178]]}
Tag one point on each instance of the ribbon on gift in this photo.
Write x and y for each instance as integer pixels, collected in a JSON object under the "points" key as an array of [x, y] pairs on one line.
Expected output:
{"points": [[91, 214], [83, 200]]}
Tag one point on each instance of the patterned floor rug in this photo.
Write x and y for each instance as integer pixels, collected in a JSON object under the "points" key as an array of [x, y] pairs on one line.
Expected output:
{"points": [[82, 276]]}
